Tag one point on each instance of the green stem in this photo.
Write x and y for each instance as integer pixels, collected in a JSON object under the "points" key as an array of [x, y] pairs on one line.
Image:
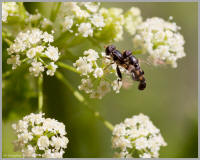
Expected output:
{"points": [[55, 11], [40, 94], [68, 67], [81, 99], [24, 60]]}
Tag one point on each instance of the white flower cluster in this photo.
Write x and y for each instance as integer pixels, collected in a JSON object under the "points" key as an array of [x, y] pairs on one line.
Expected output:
{"points": [[88, 19], [35, 49], [161, 39], [82, 18], [9, 9], [132, 19], [40, 137], [137, 137], [94, 69]]}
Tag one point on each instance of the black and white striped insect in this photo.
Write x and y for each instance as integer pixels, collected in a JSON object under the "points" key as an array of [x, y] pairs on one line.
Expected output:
{"points": [[129, 62]]}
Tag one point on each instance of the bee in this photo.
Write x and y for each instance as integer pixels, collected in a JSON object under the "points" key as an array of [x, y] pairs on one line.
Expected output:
{"points": [[127, 61]]}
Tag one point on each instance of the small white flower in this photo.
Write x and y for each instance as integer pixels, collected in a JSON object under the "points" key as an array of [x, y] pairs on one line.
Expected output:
{"points": [[35, 36], [51, 69], [83, 66], [58, 142], [29, 152], [31, 53], [91, 6], [97, 20], [60, 128], [52, 53], [85, 29], [25, 137], [36, 68], [48, 154], [49, 125], [91, 54], [47, 37], [37, 130], [98, 72], [34, 118], [73, 8], [14, 60], [43, 142], [39, 49], [68, 22], [141, 143]]}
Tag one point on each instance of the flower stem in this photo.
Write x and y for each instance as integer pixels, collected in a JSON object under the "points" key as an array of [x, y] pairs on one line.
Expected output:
{"points": [[68, 67], [55, 11], [40, 94], [81, 99]]}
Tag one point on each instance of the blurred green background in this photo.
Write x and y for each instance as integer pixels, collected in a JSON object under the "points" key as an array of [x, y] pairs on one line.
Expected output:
{"points": [[170, 99]]}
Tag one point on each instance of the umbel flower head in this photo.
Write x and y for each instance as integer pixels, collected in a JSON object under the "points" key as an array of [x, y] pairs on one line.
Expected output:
{"points": [[33, 47], [88, 19], [82, 18], [116, 21], [9, 9], [40, 137], [137, 137], [161, 40], [99, 74]]}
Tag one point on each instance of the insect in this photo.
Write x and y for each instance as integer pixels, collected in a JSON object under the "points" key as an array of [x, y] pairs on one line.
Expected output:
{"points": [[129, 62]]}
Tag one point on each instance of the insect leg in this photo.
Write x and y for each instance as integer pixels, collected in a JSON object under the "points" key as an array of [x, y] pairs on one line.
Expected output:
{"points": [[119, 74], [108, 57], [133, 76], [108, 65]]}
